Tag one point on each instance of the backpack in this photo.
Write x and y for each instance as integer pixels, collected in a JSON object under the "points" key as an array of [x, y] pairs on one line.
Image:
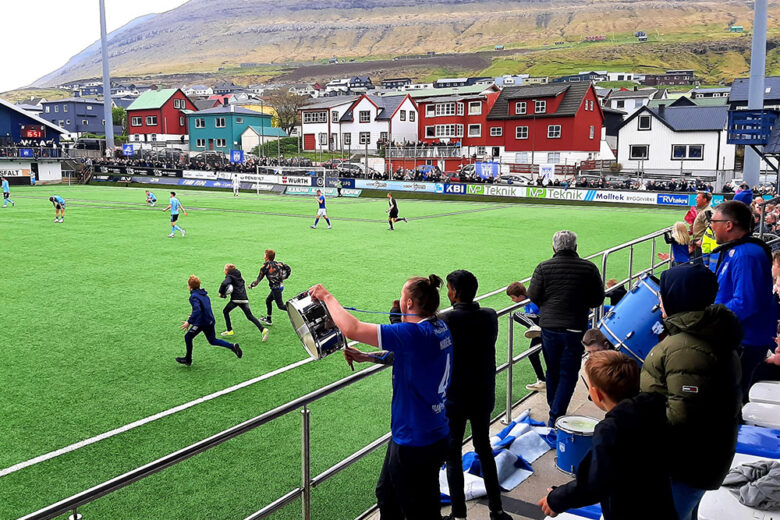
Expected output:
{"points": [[285, 269]]}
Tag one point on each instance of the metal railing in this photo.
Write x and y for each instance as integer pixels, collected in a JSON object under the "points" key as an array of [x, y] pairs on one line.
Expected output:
{"points": [[72, 503], [422, 151]]}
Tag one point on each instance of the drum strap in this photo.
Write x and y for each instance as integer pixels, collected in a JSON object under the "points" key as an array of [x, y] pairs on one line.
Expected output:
{"points": [[379, 312]]}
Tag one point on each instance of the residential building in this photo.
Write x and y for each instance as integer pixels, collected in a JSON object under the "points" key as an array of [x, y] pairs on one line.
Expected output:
{"points": [[679, 139], [458, 118], [320, 119], [546, 124], [511, 80], [160, 116], [621, 76], [632, 100], [225, 87], [198, 90], [612, 121], [360, 84], [581, 77], [255, 136], [536, 80], [671, 77], [221, 128], [462, 82], [390, 83], [738, 97], [337, 85], [77, 116], [702, 93]]}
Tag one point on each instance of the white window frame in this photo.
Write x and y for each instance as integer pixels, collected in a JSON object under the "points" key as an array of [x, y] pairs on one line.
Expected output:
{"points": [[334, 116], [364, 138], [136, 121], [200, 143], [540, 106], [151, 120], [323, 139], [217, 121], [461, 109], [472, 128], [402, 115], [648, 119], [554, 131], [89, 107], [47, 109], [688, 156], [553, 157], [239, 120], [346, 139], [154, 137], [445, 109], [430, 110], [412, 116], [315, 117], [475, 108], [592, 132], [632, 156], [449, 130], [181, 120], [496, 131], [64, 108], [56, 108], [364, 116], [200, 122], [521, 132], [220, 143], [430, 132], [481, 150], [521, 108]]}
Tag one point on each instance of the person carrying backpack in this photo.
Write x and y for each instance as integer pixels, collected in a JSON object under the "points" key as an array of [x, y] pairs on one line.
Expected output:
{"points": [[276, 273]]}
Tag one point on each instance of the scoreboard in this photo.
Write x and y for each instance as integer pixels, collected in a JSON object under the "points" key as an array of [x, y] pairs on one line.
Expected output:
{"points": [[33, 132]]}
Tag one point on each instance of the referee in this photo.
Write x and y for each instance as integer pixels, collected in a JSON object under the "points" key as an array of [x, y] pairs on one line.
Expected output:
{"points": [[393, 211]]}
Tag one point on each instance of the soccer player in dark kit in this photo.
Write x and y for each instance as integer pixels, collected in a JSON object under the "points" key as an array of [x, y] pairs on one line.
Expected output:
{"points": [[392, 211]]}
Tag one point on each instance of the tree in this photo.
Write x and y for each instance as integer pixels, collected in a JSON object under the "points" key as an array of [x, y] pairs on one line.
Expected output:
{"points": [[286, 106], [119, 115]]}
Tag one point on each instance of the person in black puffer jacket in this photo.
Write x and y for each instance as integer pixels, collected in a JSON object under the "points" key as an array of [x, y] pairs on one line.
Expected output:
{"points": [[565, 288], [233, 285]]}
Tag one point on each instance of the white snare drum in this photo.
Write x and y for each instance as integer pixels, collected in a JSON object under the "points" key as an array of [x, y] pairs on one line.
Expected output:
{"points": [[314, 326]]}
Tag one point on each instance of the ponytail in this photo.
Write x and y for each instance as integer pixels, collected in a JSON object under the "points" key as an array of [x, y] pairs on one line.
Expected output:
{"points": [[425, 294]]}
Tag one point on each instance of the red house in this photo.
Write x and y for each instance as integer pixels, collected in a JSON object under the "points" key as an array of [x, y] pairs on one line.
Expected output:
{"points": [[545, 124], [159, 116]]}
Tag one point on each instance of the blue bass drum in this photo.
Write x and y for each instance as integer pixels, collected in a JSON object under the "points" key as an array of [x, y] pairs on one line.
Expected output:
{"points": [[575, 438], [635, 322]]}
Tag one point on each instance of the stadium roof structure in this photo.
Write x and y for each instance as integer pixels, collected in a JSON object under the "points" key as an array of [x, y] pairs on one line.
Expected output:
{"points": [[152, 99], [32, 116], [573, 94], [687, 118]]}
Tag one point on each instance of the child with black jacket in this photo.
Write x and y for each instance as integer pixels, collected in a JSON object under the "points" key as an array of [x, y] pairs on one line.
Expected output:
{"points": [[626, 469]]}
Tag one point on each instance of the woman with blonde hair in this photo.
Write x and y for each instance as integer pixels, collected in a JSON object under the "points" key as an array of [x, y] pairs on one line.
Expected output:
{"points": [[679, 239]]}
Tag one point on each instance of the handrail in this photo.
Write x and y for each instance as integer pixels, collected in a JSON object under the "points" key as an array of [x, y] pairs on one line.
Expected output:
{"points": [[72, 503]]}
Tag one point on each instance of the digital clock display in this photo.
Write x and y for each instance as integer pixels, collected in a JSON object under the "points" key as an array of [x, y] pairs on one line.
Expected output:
{"points": [[33, 132]]}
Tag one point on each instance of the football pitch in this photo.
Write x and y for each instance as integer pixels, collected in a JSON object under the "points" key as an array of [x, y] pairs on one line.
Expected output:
{"points": [[90, 321]]}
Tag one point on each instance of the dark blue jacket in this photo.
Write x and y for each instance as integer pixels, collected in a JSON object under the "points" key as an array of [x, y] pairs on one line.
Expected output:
{"points": [[745, 287], [201, 309], [745, 196]]}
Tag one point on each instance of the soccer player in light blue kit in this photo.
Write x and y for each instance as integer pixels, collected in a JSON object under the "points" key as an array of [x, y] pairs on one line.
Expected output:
{"points": [[6, 193], [150, 198], [59, 208], [408, 484], [321, 212], [175, 206]]}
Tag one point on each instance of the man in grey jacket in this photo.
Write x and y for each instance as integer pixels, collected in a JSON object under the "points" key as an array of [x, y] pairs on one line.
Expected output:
{"points": [[565, 288]]}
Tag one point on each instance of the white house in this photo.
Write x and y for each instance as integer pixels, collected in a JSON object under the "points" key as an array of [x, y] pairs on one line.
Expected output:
{"points": [[629, 101], [319, 122], [198, 90], [676, 139], [372, 119], [337, 85]]}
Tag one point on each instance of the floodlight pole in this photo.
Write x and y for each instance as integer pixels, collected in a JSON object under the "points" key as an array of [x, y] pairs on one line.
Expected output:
{"points": [[752, 162], [107, 111]]}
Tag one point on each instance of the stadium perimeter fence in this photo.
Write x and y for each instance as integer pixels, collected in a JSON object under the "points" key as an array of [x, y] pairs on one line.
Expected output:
{"points": [[71, 504]]}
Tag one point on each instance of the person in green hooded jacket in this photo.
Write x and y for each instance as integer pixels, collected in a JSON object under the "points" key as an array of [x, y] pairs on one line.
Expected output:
{"points": [[697, 368]]}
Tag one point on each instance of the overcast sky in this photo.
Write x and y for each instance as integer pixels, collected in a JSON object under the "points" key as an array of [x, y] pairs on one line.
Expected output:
{"points": [[40, 36]]}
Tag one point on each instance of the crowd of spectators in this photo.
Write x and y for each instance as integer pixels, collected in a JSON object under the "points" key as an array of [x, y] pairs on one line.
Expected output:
{"points": [[206, 163]]}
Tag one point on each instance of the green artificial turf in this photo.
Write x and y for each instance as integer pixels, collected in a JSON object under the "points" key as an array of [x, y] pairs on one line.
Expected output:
{"points": [[91, 308]]}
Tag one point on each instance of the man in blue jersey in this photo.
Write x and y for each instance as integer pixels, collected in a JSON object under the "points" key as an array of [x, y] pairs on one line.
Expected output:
{"points": [[201, 319], [175, 206], [59, 208], [150, 198], [321, 212], [408, 485], [745, 284], [6, 193]]}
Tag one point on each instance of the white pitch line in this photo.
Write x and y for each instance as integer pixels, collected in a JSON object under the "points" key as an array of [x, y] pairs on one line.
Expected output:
{"points": [[147, 420]]}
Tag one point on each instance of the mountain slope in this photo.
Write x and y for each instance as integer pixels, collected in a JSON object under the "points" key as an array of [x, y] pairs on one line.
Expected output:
{"points": [[203, 36]]}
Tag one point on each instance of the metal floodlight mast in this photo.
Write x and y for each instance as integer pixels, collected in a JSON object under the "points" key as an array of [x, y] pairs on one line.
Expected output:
{"points": [[752, 166], [107, 112]]}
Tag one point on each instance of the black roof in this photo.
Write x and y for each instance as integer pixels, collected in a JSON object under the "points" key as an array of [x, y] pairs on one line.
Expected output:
{"points": [[573, 94]]}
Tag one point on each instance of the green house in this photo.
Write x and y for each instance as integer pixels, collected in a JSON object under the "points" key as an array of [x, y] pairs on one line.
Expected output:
{"points": [[220, 128]]}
